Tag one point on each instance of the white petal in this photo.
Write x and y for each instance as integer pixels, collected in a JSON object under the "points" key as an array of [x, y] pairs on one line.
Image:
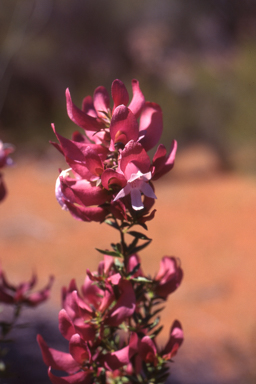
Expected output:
{"points": [[148, 190], [125, 191], [136, 199]]}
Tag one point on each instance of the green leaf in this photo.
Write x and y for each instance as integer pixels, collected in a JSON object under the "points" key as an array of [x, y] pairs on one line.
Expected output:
{"points": [[154, 324], [157, 311], [156, 332], [143, 225], [138, 235], [132, 246], [116, 247], [140, 247], [109, 253], [111, 223]]}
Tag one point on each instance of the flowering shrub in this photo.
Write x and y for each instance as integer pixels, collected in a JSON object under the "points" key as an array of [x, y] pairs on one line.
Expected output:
{"points": [[15, 296], [111, 324]]}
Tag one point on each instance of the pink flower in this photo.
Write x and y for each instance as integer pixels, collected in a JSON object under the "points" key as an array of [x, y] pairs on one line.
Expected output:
{"points": [[169, 277], [134, 165], [96, 308], [81, 198], [21, 293], [146, 350], [175, 340], [163, 163], [5, 150], [109, 161], [96, 112], [77, 363]]}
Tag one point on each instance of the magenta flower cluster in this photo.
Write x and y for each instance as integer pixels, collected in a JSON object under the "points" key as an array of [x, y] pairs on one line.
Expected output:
{"points": [[109, 161], [22, 294], [108, 325], [111, 325]]}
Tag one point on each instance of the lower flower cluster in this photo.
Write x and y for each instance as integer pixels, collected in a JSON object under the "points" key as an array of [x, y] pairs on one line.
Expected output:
{"points": [[112, 324]]}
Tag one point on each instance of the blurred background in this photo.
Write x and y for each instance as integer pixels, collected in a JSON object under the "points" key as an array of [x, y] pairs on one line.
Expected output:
{"points": [[195, 58]]}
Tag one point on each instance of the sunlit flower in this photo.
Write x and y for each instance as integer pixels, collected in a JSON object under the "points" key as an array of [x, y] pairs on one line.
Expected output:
{"points": [[136, 185]]}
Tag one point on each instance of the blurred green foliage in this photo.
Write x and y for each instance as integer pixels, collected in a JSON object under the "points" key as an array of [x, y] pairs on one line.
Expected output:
{"points": [[196, 59]]}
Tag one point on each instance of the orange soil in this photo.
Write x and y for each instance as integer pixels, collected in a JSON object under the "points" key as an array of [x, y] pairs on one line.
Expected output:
{"points": [[208, 222]]}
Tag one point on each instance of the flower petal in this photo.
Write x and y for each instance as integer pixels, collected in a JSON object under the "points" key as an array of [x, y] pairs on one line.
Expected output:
{"points": [[79, 377], [162, 163], [151, 125], [87, 213], [66, 327], [136, 199], [56, 359], [138, 99], [124, 126], [119, 93], [147, 190], [79, 350], [117, 359], [81, 118], [134, 153], [111, 178], [174, 342], [84, 192], [101, 101], [125, 305]]}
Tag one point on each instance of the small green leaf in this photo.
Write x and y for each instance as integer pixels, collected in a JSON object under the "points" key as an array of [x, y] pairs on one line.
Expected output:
{"points": [[109, 253], [157, 311], [132, 246], [138, 235], [154, 324], [116, 247], [140, 247], [156, 332], [143, 225], [111, 223]]}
